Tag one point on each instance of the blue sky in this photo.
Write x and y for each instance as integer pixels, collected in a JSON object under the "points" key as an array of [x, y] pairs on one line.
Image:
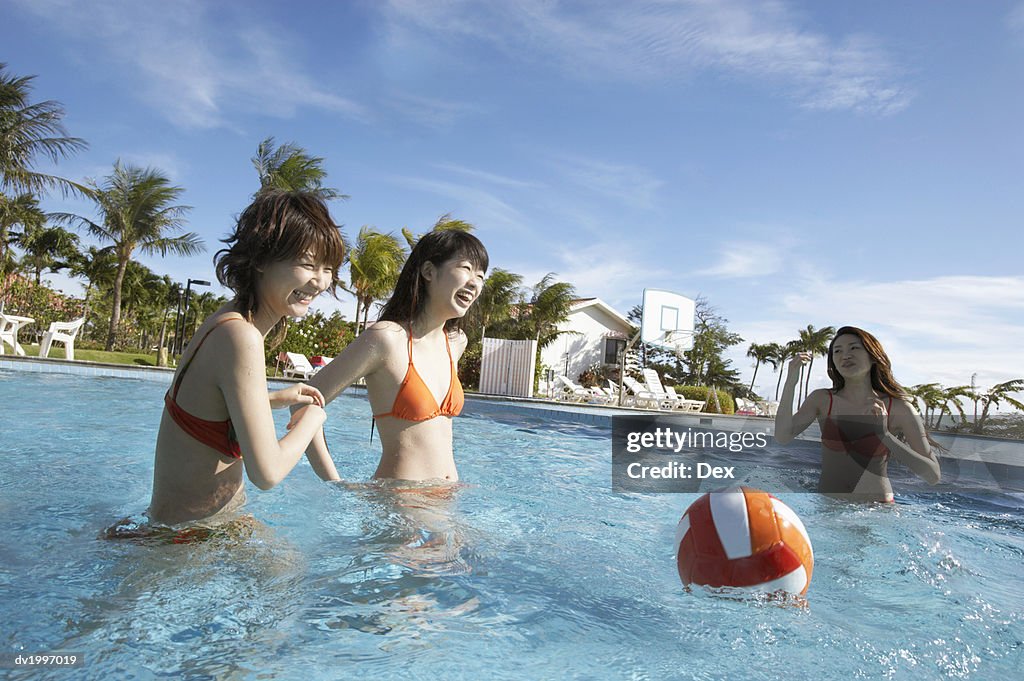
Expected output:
{"points": [[794, 162]]}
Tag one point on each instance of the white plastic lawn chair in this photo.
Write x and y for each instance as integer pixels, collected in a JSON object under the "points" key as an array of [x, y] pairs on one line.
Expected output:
{"points": [[61, 332], [298, 365]]}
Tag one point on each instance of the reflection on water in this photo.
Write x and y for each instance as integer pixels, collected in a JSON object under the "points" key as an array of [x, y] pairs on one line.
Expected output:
{"points": [[535, 570]]}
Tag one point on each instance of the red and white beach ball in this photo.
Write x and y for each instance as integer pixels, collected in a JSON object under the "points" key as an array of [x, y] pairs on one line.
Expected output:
{"points": [[744, 538]]}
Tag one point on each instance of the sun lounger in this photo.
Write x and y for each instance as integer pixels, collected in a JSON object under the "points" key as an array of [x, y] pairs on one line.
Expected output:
{"points": [[297, 366]]}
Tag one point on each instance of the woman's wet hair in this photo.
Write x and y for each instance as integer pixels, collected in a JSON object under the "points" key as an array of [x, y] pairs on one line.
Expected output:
{"points": [[882, 379], [277, 226], [410, 297]]}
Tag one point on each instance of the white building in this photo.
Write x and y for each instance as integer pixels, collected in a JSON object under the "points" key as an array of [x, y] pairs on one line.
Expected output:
{"points": [[600, 333]]}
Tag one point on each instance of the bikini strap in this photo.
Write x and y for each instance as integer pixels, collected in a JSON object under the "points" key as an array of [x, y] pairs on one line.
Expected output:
{"points": [[181, 374], [410, 343], [889, 410], [829, 403]]}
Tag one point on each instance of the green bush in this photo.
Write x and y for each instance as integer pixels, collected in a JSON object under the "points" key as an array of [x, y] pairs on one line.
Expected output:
{"points": [[469, 366], [314, 335], [702, 393]]}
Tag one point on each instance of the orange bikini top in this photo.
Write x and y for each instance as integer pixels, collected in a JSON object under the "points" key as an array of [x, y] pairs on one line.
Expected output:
{"points": [[415, 402], [833, 437]]}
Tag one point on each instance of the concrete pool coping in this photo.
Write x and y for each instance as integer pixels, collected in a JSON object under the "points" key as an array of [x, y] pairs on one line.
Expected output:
{"points": [[963, 447]]}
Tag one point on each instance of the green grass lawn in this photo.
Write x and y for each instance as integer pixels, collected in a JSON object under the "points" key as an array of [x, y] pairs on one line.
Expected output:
{"points": [[133, 358], [141, 359]]}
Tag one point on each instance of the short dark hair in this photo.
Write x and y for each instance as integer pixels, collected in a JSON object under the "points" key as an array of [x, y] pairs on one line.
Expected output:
{"points": [[278, 225]]}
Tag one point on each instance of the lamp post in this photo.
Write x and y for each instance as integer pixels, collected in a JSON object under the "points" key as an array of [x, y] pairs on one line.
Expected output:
{"points": [[184, 317]]}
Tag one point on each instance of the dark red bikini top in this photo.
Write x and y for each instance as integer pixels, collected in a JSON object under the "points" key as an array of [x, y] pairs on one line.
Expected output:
{"points": [[833, 437], [217, 435]]}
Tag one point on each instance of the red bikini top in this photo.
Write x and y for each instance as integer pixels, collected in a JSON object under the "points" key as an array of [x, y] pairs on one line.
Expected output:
{"points": [[833, 437], [219, 435], [415, 402]]}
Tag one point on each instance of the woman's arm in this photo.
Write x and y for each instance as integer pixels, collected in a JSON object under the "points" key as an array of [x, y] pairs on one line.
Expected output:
{"points": [[296, 394], [916, 453], [788, 426], [359, 358], [243, 383]]}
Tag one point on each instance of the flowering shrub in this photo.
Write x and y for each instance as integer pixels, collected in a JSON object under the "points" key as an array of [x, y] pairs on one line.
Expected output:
{"points": [[23, 297], [316, 334]]}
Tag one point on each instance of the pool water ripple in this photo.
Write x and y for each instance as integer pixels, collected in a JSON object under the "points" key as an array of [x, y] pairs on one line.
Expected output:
{"points": [[535, 569]]}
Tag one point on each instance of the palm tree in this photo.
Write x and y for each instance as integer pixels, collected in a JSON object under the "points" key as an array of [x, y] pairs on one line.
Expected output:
{"points": [[496, 298], [549, 305], [98, 266], [47, 248], [18, 211], [932, 396], [27, 132], [137, 211], [760, 352], [292, 168], [374, 264], [780, 354], [996, 394], [444, 222], [952, 395], [815, 342]]}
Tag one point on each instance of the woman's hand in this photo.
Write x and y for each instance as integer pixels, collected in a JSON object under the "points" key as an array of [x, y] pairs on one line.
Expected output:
{"points": [[795, 365], [879, 417], [299, 413], [300, 393]]}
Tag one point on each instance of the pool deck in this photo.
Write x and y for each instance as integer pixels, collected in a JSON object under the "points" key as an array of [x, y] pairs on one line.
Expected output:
{"points": [[980, 449]]}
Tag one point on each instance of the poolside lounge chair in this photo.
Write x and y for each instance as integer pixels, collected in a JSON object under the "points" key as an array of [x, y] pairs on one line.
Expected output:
{"points": [[61, 332], [672, 398], [642, 396], [297, 365], [567, 390]]}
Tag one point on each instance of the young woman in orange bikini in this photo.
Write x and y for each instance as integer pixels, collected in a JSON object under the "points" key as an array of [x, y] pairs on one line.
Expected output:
{"points": [[861, 419], [217, 425], [409, 358]]}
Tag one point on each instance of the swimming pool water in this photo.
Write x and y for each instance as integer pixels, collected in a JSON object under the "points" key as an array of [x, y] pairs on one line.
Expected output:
{"points": [[534, 570]]}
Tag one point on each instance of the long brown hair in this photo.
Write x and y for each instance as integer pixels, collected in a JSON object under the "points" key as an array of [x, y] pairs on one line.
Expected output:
{"points": [[278, 225], [409, 298], [881, 372], [882, 379]]}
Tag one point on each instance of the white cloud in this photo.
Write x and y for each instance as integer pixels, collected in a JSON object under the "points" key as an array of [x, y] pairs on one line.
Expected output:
{"points": [[662, 40], [186, 68], [630, 185], [432, 112], [1015, 20], [485, 176], [941, 329], [744, 259], [475, 205]]}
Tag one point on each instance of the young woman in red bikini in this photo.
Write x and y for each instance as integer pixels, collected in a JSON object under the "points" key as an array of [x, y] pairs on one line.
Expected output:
{"points": [[409, 358], [217, 425], [861, 418]]}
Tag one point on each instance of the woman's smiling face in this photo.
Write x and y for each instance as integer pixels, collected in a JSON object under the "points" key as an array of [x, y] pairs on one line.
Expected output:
{"points": [[287, 287], [456, 282]]}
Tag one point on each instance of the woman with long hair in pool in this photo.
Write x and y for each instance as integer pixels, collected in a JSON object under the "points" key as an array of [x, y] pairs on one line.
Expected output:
{"points": [[217, 425], [865, 419], [409, 358]]}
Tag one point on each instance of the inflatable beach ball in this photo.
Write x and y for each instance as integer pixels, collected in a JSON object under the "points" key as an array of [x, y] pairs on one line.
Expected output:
{"points": [[744, 538]]}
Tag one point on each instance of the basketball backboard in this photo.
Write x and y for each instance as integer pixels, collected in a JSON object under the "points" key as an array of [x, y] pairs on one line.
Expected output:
{"points": [[667, 320]]}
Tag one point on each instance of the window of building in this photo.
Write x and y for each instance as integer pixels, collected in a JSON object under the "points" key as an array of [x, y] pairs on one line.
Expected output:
{"points": [[612, 348]]}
